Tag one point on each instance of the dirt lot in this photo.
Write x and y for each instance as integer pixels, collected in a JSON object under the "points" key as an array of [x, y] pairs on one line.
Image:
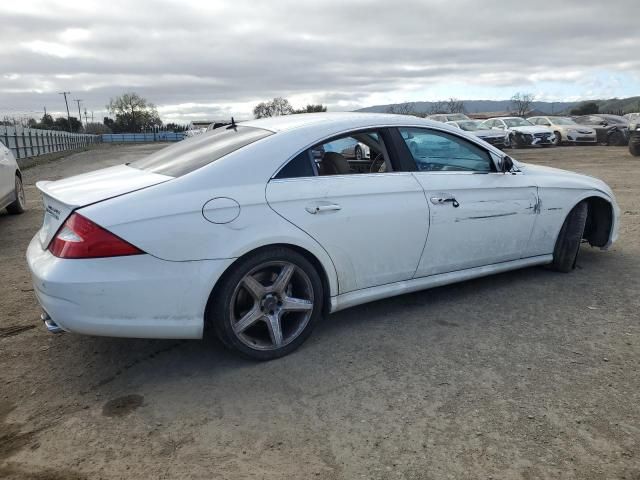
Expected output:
{"points": [[529, 374]]}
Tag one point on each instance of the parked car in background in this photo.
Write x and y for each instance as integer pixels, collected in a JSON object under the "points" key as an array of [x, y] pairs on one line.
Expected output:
{"points": [[566, 130], [349, 147], [247, 233], [480, 130], [610, 129], [632, 116], [448, 117], [11, 189], [521, 132], [634, 137]]}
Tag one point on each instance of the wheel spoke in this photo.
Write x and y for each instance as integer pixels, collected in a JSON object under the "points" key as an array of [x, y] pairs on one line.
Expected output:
{"points": [[291, 304], [254, 287], [275, 329], [283, 279], [249, 319]]}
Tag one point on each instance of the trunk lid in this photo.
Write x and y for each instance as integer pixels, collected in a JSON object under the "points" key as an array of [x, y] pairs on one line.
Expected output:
{"points": [[62, 197]]}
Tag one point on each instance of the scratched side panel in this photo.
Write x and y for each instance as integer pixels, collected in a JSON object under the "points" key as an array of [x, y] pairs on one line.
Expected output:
{"points": [[492, 223]]}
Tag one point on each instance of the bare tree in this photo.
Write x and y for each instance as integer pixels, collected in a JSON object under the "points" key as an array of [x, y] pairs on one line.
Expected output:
{"points": [[133, 113], [436, 107], [273, 108], [455, 106], [521, 103], [406, 108]]}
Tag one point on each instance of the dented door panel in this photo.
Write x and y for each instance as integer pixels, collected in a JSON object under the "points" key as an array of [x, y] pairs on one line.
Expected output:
{"points": [[488, 219]]}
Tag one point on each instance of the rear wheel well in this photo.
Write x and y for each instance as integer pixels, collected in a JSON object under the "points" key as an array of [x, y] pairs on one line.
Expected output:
{"points": [[599, 221], [326, 303]]}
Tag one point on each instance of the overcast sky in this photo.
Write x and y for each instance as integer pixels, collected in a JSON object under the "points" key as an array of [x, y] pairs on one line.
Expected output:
{"points": [[212, 59]]}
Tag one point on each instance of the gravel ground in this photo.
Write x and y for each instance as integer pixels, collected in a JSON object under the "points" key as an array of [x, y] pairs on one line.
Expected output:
{"points": [[525, 375]]}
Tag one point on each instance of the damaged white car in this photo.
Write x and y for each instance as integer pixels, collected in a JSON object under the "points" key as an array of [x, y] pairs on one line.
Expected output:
{"points": [[521, 132], [256, 231]]}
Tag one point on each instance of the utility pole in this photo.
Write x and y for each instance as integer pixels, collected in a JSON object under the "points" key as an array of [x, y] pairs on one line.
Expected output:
{"points": [[67, 104], [86, 122], [78, 100]]}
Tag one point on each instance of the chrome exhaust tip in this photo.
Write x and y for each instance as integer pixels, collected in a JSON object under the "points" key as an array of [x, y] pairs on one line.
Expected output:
{"points": [[52, 326]]}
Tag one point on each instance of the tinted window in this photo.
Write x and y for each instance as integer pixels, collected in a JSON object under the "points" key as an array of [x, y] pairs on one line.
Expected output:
{"points": [[440, 151], [300, 166], [193, 153]]}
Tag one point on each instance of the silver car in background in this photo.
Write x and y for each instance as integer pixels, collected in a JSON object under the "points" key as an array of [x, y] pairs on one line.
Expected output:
{"points": [[479, 129], [566, 130], [448, 117], [11, 189]]}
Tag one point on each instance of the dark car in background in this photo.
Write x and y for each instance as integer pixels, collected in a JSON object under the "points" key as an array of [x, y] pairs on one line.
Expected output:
{"points": [[610, 129], [634, 136]]}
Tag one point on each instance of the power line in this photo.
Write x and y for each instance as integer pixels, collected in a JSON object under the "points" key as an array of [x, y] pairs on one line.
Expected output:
{"points": [[67, 104], [78, 100]]}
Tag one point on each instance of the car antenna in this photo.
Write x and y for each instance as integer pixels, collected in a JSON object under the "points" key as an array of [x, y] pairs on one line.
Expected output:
{"points": [[233, 125]]}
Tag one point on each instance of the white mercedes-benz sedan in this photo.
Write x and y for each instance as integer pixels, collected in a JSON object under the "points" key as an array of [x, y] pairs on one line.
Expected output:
{"points": [[256, 230]]}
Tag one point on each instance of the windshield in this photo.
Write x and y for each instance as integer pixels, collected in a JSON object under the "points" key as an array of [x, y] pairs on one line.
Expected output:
{"points": [[472, 125], [613, 119], [189, 155], [563, 121], [454, 117], [517, 122]]}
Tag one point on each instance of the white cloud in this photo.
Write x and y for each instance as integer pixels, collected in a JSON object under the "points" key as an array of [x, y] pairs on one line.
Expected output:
{"points": [[210, 58]]}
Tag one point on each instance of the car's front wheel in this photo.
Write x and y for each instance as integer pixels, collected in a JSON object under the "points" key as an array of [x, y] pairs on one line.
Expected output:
{"points": [[267, 304], [568, 242], [19, 204], [557, 140], [358, 152]]}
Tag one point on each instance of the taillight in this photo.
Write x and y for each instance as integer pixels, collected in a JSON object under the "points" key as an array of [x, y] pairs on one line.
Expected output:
{"points": [[79, 237]]}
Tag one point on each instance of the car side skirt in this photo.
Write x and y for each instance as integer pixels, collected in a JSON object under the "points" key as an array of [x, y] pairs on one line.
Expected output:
{"points": [[366, 295]]}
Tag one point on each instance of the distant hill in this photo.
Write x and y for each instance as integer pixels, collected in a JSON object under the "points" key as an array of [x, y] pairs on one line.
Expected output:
{"points": [[623, 105]]}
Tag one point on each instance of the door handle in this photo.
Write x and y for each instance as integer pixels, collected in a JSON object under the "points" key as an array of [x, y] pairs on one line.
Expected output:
{"points": [[445, 198], [313, 209]]}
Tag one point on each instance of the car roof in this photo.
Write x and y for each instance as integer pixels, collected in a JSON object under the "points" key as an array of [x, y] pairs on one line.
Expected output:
{"points": [[344, 120]]}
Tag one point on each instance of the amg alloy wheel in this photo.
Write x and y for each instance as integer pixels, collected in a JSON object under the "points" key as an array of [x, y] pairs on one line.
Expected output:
{"points": [[269, 304]]}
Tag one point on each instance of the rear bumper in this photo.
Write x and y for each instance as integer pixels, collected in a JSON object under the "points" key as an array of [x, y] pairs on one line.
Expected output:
{"points": [[136, 296]]}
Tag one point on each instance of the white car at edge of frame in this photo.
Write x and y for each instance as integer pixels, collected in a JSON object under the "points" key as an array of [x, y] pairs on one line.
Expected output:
{"points": [[255, 232], [11, 189]]}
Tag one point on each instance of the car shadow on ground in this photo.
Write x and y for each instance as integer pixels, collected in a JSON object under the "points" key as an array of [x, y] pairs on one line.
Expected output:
{"points": [[416, 322]]}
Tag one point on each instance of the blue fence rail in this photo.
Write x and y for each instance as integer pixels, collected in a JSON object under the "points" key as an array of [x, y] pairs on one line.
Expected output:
{"points": [[142, 137], [31, 142]]}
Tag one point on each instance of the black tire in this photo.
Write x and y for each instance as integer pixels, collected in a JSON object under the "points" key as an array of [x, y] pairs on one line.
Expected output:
{"points": [[616, 139], [567, 246], [19, 204], [514, 142], [223, 305], [558, 139], [358, 152], [634, 149]]}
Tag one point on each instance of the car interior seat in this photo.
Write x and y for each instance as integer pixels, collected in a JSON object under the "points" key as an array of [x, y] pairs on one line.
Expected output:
{"points": [[334, 164]]}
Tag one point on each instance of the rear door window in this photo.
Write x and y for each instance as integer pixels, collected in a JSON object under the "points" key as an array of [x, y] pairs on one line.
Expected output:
{"points": [[189, 155]]}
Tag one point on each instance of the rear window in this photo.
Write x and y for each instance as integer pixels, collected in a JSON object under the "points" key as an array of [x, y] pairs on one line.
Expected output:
{"points": [[193, 153]]}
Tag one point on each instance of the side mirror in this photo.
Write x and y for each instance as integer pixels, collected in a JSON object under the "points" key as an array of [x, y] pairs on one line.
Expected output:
{"points": [[507, 164]]}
